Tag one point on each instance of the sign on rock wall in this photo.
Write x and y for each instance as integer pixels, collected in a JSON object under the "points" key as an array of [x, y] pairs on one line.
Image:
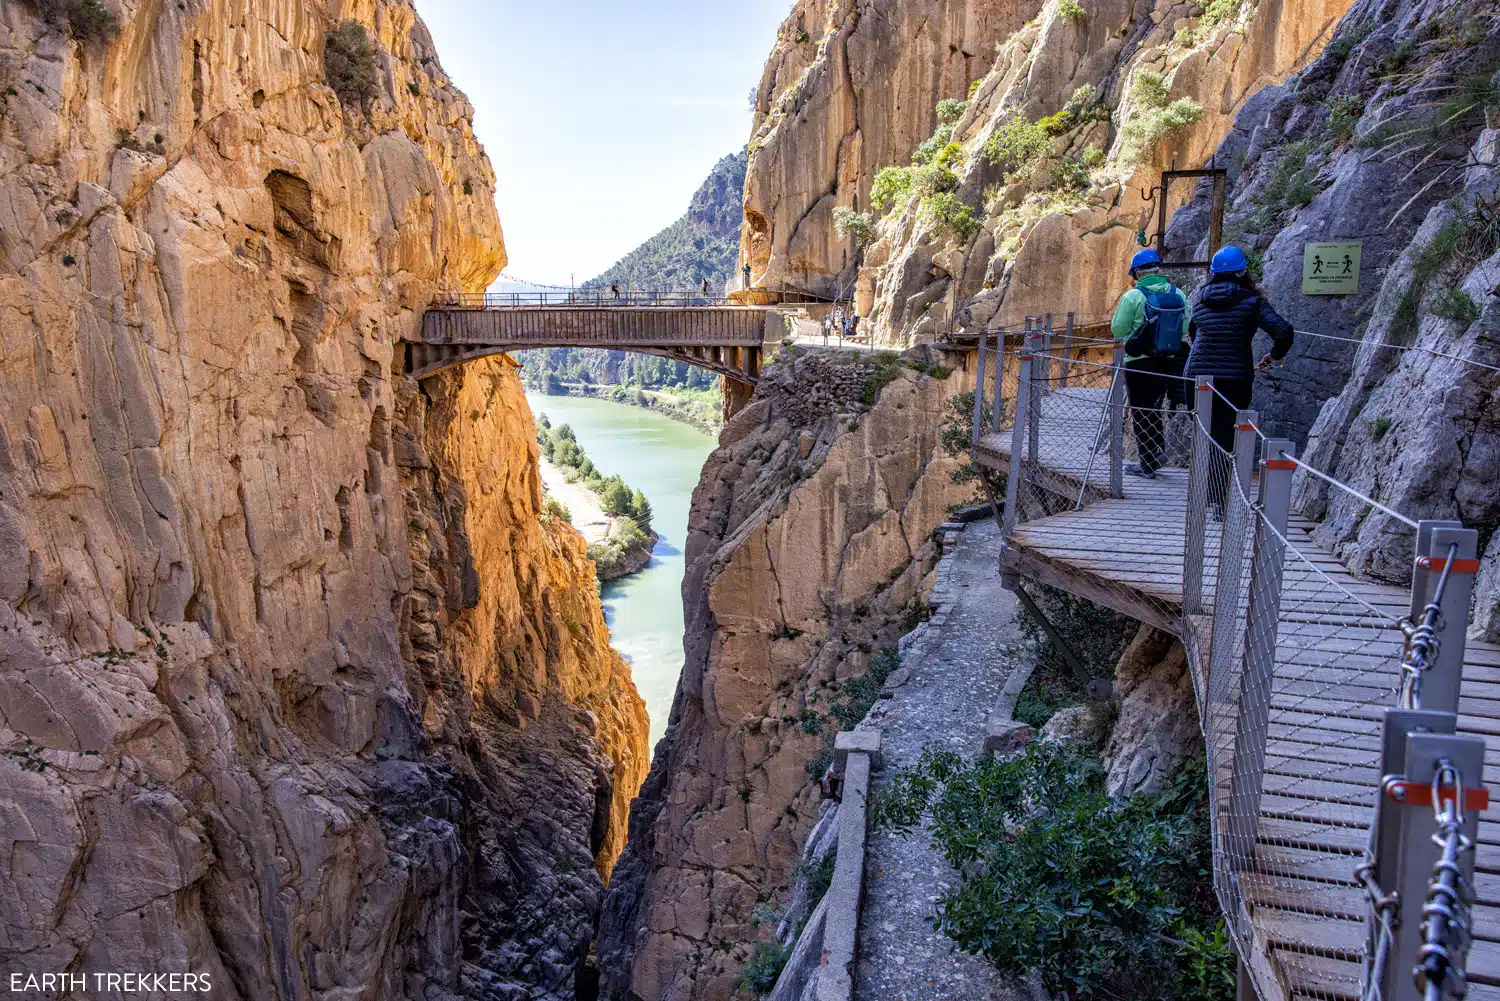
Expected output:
{"points": [[1330, 268]]}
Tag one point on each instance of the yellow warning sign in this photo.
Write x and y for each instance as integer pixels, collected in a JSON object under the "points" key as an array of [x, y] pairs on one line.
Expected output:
{"points": [[1330, 268]]}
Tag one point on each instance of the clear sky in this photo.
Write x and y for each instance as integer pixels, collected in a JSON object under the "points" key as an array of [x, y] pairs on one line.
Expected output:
{"points": [[601, 116]]}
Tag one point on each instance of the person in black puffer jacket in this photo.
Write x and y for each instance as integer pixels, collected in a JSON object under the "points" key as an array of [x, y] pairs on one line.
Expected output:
{"points": [[1226, 314]]}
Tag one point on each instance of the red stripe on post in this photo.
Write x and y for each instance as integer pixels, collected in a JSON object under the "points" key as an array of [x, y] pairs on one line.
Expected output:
{"points": [[1437, 563], [1420, 794], [1280, 464], [1244, 427]]}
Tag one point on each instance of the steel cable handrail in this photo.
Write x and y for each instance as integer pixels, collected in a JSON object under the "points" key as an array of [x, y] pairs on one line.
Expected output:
{"points": [[1399, 347]]}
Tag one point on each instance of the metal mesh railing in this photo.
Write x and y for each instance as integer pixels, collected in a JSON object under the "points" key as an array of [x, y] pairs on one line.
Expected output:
{"points": [[1297, 665]]}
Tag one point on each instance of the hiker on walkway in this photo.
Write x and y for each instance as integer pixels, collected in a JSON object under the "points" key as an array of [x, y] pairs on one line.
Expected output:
{"points": [[615, 288], [705, 288], [1152, 322], [1227, 313], [747, 276]]}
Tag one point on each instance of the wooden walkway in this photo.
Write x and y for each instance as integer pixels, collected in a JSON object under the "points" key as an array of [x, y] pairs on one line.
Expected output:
{"points": [[1337, 668]]}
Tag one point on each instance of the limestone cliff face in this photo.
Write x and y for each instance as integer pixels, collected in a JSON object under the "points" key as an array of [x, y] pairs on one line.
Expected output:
{"points": [[850, 87], [1044, 239], [809, 544], [252, 712]]}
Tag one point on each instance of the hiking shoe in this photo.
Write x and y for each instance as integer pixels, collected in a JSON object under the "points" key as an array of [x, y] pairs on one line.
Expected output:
{"points": [[1135, 469], [1216, 512]]}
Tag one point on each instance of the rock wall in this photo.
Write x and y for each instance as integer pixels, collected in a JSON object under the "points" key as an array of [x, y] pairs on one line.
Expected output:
{"points": [[1043, 240], [848, 88], [271, 634], [809, 549], [1384, 411]]}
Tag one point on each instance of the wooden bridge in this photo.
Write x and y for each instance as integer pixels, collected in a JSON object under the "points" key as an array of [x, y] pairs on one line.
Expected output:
{"points": [[715, 334], [1303, 671]]}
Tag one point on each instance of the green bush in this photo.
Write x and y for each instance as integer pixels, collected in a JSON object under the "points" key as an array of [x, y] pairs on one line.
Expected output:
{"points": [[953, 217], [1457, 305], [763, 968], [891, 185], [1017, 146], [1216, 12], [951, 110], [858, 226], [1378, 427], [928, 150], [1344, 113], [87, 20], [1150, 89], [349, 64], [1072, 10], [1102, 898], [554, 508], [886, 366]]}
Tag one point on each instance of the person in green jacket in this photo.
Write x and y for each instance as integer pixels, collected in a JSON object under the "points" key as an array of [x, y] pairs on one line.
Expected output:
{"points": [[1152, 322]]}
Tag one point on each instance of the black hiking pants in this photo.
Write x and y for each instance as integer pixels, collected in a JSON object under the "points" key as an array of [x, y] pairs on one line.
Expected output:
{"points": [[1148, 386]]}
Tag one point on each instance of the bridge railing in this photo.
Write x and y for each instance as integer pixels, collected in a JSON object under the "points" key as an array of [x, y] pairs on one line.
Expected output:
{"points": [[1327, 711], [578, 299]]}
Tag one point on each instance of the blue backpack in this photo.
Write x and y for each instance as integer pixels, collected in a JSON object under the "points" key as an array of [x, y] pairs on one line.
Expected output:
{"points": [[1162, 331]]}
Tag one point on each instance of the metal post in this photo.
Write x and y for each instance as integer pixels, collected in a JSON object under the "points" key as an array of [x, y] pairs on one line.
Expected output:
{"points": [[1231, 562], [1034, 401], [979, 396], [1199, 473], [1018, 437], [1258, 665], [997, 411], [1435, 539], [1117, 425], [1407, 806], [1067, 346]]}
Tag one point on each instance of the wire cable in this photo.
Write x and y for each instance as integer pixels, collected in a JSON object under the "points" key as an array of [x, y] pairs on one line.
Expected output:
{"points": [[1352, 492], [1400, 347]]}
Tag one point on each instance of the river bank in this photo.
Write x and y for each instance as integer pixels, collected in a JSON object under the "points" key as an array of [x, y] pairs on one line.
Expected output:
{"points": [[695, 413], [664, 458]]}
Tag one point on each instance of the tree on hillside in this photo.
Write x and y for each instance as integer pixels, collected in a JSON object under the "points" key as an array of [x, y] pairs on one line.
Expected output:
{"points": [[640, 509]]}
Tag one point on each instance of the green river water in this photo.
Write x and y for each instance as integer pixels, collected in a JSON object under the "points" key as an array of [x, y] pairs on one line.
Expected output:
{"points": [[662, 458]]}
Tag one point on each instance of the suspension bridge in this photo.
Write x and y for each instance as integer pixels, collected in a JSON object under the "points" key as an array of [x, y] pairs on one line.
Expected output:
{"points": [[1348, 724]]}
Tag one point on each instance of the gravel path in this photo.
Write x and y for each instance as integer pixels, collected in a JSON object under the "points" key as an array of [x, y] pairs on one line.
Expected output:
{"points": [[957, 667]]}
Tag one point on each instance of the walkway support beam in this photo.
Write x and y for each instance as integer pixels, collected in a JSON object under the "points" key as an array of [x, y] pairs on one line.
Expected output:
{"points": [[979, 396]]}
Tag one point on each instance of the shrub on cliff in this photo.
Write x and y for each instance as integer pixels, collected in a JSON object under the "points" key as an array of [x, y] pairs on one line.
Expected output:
{"points": [[1101, 897], [87, 20], [349, 64]]}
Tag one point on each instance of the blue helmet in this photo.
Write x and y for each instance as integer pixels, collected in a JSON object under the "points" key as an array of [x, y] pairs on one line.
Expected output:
{"points": [[1147, 258], [1228, 260]]}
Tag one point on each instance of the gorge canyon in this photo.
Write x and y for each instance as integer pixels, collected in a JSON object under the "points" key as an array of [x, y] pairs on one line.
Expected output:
{"points": [[300, 686]]}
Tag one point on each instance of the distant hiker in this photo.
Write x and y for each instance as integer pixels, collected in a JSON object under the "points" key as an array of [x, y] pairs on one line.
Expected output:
{"points": [[1152, 321], [615, 288], [705, 288], [746, 272], [1225, 317]]}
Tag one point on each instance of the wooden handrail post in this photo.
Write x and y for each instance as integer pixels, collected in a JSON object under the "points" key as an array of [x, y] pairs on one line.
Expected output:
{"points": [[1117, 425], [1018, 437], [1258, 662], [1200, 471]]}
